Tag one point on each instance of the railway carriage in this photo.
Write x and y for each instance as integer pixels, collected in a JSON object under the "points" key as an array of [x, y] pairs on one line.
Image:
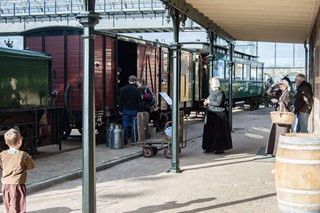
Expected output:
{"points": [[247, 73], [26, 98], [58, 100], [116, 58]]}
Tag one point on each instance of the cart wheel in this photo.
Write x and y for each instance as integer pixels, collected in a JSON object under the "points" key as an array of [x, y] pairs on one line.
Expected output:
{"points": [[167, 153], [155, 150], [147, 152], [28, 143]]}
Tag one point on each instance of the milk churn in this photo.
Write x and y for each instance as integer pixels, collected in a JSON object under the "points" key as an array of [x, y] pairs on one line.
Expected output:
{"points": [[109, 133], [117, 137]]}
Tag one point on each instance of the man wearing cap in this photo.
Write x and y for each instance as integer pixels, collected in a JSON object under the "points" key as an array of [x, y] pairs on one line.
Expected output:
{"points": [[130, 104], [302, 104]]}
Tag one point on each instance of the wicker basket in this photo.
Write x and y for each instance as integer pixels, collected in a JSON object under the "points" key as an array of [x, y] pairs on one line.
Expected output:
{"points": [[285, 118]]}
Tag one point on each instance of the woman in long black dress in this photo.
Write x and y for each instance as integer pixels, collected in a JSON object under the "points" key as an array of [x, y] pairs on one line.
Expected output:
{"points": [[282, 99], [216, 134]]}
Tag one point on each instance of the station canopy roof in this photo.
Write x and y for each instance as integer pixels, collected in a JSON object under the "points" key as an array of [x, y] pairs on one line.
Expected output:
{"points": [[261, 20]]}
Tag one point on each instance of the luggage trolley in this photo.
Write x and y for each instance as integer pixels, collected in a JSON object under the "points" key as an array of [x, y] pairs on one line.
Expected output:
{"points": [[150, 146]]}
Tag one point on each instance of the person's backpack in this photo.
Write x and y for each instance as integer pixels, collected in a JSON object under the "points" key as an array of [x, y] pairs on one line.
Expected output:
{"points": [[148, 96]]}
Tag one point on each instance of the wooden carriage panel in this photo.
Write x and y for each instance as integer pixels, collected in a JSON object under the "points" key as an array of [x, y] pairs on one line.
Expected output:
{"points": [[33, 43], [157, 73], [191, 76], [74, 59], [185, 87], [148, 66], [98, 61], [196, 78], [110, 73], [141, 55], [164, 76], [54, 45]]}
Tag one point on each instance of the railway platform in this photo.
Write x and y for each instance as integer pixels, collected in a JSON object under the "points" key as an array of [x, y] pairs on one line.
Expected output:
{"points": [[54, 166], [240, 180]]}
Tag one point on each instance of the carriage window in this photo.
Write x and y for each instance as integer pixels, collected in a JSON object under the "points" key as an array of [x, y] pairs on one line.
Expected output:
{"points": [[226, 70], [196, 82], [238, 71], [165, 62], [260, 74], [253, 76], [219, 69], [246, 72]]}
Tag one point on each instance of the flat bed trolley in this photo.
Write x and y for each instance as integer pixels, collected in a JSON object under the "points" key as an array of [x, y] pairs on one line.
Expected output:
{"points": [[149, 145]]}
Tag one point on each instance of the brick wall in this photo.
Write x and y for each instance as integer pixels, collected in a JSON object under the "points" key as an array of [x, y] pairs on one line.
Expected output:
{"points": [[314, 71]]}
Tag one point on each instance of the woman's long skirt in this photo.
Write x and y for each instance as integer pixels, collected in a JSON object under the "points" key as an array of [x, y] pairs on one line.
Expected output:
{"points": [[275, 132], [216, 133]]}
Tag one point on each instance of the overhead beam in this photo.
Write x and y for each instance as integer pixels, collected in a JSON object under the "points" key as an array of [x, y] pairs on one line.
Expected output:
{"points": [[267, 5], [255, 2], [199, 18]]}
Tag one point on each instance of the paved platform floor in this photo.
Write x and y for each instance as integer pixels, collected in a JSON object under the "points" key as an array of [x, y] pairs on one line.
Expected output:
{"points": [[240, 180]]}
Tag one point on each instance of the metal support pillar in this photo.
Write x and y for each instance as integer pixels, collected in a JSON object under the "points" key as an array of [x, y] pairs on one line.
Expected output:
{"points": [[88, 19], [231, 65], [211, 57], [176, 58]]}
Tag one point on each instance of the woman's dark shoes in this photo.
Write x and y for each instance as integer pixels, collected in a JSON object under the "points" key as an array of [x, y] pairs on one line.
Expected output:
{"points": [[206, 151], [219, 152]]}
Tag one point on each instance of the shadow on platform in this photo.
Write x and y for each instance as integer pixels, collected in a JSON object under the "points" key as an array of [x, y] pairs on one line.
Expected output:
{"points": [[55, 210], [169, 206], [263, 157], [208, 208]]}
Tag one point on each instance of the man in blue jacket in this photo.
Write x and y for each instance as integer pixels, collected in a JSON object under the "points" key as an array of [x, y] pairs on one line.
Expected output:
{"points": [[130, 104]]}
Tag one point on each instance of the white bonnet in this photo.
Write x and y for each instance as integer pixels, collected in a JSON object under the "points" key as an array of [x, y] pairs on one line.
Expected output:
{"points": [[214, 82], [286, 83]]}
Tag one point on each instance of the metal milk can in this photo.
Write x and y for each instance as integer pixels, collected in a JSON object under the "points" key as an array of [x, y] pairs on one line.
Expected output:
{"points": [[117, 137], [109, 133]]}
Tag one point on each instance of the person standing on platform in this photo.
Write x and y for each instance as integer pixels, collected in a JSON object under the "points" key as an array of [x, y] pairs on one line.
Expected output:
{"points": [[302, 104], [282, 99], [14, 165], [147, 96], [216, 134], [130, 104]]}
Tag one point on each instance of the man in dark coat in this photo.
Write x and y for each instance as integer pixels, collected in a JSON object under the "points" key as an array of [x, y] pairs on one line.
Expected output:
{"points": [[303, 104], [130, 104]]}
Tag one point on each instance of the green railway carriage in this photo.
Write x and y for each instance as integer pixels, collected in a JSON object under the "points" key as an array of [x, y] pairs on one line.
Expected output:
{"points": [[248, 85], [25, 97], [24, 78], [247, 74]]}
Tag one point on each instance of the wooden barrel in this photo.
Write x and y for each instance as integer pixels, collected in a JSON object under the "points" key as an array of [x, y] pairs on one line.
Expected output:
{"points": [[297, 172]]}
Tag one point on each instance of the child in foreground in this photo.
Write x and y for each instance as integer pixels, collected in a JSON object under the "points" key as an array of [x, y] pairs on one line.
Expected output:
{"points": [[14, 165]]}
